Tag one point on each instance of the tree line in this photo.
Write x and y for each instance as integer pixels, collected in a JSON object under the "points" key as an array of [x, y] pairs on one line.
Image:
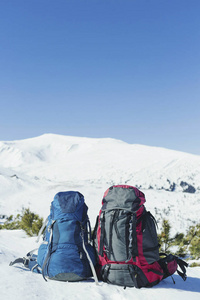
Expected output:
{"points": [[182, 245]]}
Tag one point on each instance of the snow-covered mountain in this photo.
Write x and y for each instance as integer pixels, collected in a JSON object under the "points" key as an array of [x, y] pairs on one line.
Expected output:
{"points": [[32, 171]]}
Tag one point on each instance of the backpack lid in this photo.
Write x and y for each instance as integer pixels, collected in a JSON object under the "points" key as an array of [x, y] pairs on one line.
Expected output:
{"points": [[69, 204], [124, 197]]}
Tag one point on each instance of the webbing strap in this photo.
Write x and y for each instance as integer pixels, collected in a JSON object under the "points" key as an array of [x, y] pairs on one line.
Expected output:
{"points": [[35, 267], [88, 257], [41, 230], [49, 251], [133, 274], [130, 245], [134, 237], [94, 234], [156, 272], [104, 272], [111, 232], [89, 231], [102, 224]]}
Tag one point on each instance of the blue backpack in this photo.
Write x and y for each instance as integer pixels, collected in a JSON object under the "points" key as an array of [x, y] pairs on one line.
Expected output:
{"points": [[65, 253]]}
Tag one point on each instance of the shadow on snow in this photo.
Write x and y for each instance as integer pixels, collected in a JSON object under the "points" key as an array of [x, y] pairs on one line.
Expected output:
{"points": [[192, 284]]}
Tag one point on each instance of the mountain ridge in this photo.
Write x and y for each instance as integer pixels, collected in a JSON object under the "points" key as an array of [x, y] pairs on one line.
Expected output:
{"points": [[33, 170], [49, 136]]}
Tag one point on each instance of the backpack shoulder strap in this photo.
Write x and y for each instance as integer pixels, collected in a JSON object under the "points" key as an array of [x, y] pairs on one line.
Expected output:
{"points": [[49, 251], [41, 230], [87, 254], [102, 226], [94, 233]]}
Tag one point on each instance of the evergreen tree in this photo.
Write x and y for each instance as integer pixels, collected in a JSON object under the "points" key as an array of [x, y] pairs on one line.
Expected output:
{"points": [[164, 237], [193, 241], [179, 240]]}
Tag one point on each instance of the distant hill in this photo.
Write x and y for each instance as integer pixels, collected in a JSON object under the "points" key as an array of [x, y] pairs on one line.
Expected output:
{"points": [[32, 171]]}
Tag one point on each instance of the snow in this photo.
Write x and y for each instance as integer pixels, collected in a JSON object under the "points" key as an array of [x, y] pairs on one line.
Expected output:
{"points": [[32, 171], [19, 283]]}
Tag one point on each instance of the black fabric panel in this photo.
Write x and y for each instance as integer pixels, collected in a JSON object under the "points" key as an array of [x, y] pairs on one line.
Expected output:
{"points": [[150, 240]]}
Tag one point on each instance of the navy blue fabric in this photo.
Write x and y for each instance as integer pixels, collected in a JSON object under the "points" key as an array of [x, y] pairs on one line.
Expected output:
{"points": [[68, 204], [69, 201], [42, 252], [66, 255]]}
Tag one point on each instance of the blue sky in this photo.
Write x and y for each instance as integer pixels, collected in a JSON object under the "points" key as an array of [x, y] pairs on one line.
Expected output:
{"points": [[124, 69]]}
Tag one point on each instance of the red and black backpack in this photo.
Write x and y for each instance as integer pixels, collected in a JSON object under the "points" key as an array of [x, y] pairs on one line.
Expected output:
{"points": [[126, 243]]}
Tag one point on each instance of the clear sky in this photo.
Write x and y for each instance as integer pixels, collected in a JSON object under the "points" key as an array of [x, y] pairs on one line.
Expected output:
{"points": [[125, 69]]}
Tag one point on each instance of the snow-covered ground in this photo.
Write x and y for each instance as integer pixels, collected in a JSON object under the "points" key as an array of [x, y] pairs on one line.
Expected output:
{"points": [[32, 171], [17, 283]]}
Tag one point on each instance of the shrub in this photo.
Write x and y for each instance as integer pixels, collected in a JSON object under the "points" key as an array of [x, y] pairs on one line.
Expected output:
{"points": [[28, 221], [12, 223]]}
